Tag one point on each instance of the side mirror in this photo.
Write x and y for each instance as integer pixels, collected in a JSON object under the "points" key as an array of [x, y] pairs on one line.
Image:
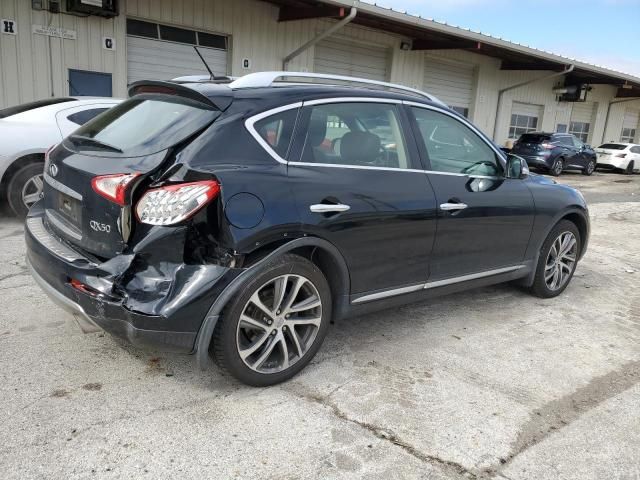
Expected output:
{"points": [[517, 167]]}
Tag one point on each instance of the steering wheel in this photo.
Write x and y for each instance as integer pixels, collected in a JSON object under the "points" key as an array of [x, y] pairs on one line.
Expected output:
{"points": [[470, 168]]}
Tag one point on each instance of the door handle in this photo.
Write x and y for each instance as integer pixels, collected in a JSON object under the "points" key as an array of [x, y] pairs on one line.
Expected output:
{"points": [[453, 206], [329, 208]]}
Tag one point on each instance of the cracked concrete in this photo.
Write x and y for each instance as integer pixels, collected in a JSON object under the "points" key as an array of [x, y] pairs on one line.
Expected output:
{"points": [[491, 383]]}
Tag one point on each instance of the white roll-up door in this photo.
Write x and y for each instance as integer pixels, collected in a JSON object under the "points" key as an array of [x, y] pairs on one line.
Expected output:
{"points": [[162, 52], [451, 83], [527, 110], [582, 112], [525, 118], [631, 119], [342, 57]]}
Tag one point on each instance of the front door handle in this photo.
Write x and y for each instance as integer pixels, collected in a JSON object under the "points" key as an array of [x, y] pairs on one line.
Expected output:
{"points": [[453, 206], [329, 208]]}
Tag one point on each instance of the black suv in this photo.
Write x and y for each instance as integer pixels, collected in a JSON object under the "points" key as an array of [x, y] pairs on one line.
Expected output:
{"points": [[237, 220], [555, 152]]}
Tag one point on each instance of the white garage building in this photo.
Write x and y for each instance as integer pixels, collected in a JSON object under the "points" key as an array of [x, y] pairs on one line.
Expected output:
{"points": [[97, 47]]}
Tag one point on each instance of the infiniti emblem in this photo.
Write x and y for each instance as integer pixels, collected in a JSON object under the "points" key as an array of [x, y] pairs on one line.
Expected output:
{"points": [[53, 169]]}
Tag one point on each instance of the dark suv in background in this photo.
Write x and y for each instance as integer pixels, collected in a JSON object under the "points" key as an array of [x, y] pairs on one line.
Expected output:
{"points": [[237, 220], [555, 152]]}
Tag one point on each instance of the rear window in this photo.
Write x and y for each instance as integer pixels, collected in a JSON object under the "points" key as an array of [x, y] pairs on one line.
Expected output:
{"points": [[143, 125], [534, 138], [25, 107], [613, 146]]}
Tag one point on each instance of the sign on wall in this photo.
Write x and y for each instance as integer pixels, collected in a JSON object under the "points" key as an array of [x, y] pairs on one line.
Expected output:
{"points": [[108, 43], [51, 31], [8, 26]]}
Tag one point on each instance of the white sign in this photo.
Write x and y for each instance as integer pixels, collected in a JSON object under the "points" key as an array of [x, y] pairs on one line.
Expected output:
{"points": [[8, 26], [54, 32], [108, 43]]}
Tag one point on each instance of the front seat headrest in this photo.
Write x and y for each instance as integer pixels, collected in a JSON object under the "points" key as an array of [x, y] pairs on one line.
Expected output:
{"points": [[359, 147], [317, 128]]}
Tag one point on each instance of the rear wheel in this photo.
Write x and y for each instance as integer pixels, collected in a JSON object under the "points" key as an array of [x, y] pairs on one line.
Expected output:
{"points": [[25, 187], [590, 168], [275, 326], [630, 167], [557, 167], [558, 260]]}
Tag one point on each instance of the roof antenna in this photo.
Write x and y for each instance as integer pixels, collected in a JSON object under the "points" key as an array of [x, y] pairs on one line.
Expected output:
{"points": [[205, 63]]}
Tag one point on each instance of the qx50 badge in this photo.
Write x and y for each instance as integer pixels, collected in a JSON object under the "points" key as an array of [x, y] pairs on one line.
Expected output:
{"points": [[100, 227]]}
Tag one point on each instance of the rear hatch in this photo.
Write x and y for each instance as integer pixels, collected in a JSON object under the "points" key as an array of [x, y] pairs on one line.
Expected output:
{"points": [[530, 144], [116, 153]]}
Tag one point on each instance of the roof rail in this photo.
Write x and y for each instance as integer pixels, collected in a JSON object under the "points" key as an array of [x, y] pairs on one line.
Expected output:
{"points": [[266, 79]]}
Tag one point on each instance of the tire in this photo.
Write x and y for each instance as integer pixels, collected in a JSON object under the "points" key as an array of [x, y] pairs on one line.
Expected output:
{"points": [[630, 167], [26, 180], [557, 167], [541, 285], [254, 336], [590, 168]]}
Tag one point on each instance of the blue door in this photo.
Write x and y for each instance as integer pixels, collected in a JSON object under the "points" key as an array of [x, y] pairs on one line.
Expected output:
{"points": [[87, 83]]}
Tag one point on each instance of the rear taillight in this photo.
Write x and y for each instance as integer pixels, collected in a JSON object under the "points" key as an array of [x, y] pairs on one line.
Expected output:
{"points": [[621, 155], [113, 187], [175, 203], [548, 146]]}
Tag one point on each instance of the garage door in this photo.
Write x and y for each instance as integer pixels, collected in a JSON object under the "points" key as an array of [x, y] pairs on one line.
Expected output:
{"points": [[160, 52], [341, 57], [630, 125], [451, 83], [525, 118], [581, 119]]}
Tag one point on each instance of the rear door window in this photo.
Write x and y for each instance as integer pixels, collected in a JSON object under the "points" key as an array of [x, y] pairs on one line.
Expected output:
{"points": [[565, 140], [143, 125], [355, 134]]}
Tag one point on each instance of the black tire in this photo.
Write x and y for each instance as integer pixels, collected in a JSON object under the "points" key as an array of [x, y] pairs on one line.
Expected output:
{"points": [[16, 184], [540, 287], [589, 168], [557, 167], [630, 167], [224, 344]]}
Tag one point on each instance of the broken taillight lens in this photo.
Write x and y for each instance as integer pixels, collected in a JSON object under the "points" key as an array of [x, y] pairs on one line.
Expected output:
{"points": [[113, 187], [175, 203]]}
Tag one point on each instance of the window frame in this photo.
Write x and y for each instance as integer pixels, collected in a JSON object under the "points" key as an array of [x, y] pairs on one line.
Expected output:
{"points": [[630, 135], [415, 155], [522, 129], [578, 133]]}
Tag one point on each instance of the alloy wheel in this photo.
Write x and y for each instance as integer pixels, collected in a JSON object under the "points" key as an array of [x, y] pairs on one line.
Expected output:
{"points": [[561, 261], [557, 167], [591, 166], [279, 324], [32, 189]]}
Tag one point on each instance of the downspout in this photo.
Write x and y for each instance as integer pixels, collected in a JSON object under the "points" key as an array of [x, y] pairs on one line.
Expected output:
{"points": [[522, 84], [352, 14], [606, 119]]}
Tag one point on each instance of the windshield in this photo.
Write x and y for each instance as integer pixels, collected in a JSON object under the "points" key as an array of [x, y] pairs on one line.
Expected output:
{"points": [[143, 125], [613, 146]]}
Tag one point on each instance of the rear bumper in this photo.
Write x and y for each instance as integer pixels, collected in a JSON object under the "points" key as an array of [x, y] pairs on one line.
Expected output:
{"points": [[536, 161], [613, 163], [170, 321]]}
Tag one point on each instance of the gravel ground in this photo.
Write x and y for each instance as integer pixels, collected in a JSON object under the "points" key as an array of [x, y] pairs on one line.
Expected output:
{"points": [[492, 383]]}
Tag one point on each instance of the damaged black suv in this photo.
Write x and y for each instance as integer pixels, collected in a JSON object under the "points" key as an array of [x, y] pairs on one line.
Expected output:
{"points": [[235, 220]]}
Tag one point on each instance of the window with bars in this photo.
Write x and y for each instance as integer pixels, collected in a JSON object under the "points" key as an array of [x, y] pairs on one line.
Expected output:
{"points": [[628, 135], [580, 130], [139, 28], [521, 124], [461, 110]]}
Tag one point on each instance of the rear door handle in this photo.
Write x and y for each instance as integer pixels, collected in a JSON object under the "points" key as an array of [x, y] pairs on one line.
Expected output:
{"points": [[453, 206], [329, 208]]}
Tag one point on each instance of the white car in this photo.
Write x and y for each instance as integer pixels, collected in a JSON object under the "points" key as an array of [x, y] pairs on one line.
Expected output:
{"points": [[620, 156], [27, 131]]}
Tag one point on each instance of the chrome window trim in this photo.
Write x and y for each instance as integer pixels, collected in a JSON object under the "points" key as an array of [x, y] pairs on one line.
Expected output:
{"points": [[61, 187], [438, 283], [465, 122], [322, 101], [250, 122], [360, 167]]}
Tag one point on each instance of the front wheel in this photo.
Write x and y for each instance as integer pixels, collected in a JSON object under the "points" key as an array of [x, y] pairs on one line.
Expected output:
{"points": [[557, 167], [590, 168], [275, 326], [629, 169], [558, 260]]}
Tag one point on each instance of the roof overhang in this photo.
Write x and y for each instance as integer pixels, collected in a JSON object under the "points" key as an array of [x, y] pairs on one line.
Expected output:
{"points": [[426, 34]]}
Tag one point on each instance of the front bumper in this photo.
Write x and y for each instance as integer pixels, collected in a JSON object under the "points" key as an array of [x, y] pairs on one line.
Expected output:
{"points": [[162, 306]]}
